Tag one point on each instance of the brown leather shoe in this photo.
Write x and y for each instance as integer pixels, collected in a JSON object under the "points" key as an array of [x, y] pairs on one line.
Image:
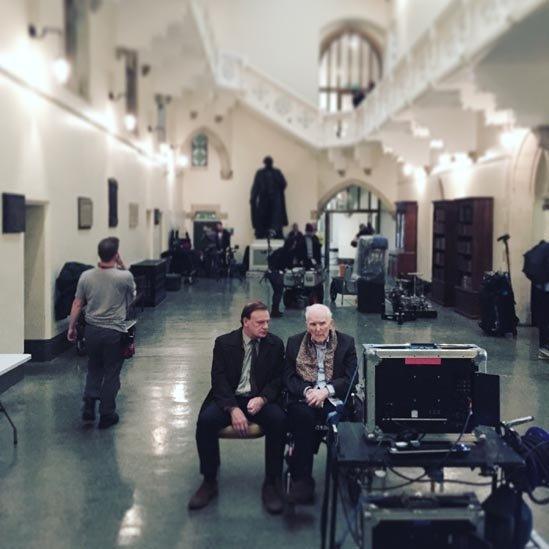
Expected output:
{"points": [[272, 498], [203, 496], [302, 491]]}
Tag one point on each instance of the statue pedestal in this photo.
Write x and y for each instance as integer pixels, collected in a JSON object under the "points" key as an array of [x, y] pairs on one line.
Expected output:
{"points": [[259, 251]]}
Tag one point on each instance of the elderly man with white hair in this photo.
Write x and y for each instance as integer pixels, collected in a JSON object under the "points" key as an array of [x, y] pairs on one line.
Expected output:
{"points": [[319, 369]]}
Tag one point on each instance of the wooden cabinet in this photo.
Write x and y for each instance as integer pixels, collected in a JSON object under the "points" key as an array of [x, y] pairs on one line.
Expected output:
{"points": [[403, 259], [474, 235], [152, 273], [444, 274]]}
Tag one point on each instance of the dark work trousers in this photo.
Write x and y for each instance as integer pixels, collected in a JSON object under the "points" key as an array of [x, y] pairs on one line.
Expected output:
{"points": [[542, 299], [212, 419], [104, 365], [277, 283], [302, 420]]}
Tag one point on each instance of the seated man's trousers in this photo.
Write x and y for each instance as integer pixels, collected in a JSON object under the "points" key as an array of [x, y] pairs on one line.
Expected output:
{"points": [[302, 420], [212, 419]]}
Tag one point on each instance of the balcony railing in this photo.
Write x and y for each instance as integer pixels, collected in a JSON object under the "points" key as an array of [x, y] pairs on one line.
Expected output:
{"points": [[460, 34]]}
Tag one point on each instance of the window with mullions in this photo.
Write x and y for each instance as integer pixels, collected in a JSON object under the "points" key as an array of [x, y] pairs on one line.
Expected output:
{"points": [[356, 199], [199, 151], [77, 45], [350, 66], [131, 66]]}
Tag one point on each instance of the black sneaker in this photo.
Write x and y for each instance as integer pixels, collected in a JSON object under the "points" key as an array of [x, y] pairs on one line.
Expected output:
{"points": [[108, 420], [88, 410], [275, 313]]}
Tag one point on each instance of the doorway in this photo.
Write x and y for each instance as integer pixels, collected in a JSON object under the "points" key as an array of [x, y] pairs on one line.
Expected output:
{"points": [[340, 222], [35, 272]]}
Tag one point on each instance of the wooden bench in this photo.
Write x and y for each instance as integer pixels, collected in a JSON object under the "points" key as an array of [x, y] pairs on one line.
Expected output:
{"points": [[254, 431], [10, 374]]}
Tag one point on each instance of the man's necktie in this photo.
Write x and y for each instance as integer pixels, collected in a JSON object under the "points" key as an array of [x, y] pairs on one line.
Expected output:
{"points": [[255, 353]]}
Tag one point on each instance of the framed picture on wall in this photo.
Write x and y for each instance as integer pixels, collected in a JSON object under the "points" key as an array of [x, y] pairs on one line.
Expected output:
{"points": [[113, 202], [157, 216], [134, 215], [85, 213]]}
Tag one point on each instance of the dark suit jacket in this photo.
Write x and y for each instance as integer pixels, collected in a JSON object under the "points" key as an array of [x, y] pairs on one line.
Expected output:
{"points": [[224, 242], [301, 251], [345, 363], [228, 355]]}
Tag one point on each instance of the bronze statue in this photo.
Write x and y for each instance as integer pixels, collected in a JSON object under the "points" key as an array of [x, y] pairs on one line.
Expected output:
{"points": [[267, 201]]}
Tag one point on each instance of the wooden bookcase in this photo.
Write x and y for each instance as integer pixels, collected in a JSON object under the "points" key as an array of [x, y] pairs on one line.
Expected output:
{"points": [[403, 259], [474, 235], [444, 273]]}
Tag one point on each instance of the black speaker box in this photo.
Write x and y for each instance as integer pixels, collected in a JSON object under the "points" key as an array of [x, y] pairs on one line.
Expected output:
{"points": [[371, 296], [13, 213]]}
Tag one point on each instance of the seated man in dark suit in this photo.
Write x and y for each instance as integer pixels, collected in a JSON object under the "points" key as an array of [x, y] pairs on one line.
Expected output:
{"points": [[246, 381], [319, 369]]}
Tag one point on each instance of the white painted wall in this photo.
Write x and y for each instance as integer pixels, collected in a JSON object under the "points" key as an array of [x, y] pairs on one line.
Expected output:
{"points": [[52, 156], [510, 180], [249, 139], [282, 38]]}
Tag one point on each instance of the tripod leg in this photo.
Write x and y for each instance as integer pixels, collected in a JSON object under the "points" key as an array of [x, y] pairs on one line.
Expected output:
{"points": [[5, 412]]}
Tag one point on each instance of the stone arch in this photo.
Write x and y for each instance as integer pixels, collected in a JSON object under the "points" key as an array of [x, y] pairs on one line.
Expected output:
{"points": [[365, 27], [328, 195], [218, 145], [522, 196]]}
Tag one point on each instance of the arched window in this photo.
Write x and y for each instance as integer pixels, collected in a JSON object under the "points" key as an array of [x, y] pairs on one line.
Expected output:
{"points": [[350, 66], [199, 151]]}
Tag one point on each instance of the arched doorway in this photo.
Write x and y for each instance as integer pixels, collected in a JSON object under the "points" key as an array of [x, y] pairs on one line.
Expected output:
{"points": [[341, 216]]}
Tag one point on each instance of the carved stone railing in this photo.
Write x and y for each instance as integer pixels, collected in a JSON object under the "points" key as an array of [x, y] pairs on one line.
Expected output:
{"points": [[462, 32], [270, 98]]}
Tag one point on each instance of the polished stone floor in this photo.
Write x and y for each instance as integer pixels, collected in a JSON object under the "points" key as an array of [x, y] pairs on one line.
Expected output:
{"points": [[68, 486]]}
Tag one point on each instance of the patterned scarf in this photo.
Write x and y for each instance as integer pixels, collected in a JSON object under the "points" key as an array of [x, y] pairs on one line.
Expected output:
{"points": [[306, 363]]}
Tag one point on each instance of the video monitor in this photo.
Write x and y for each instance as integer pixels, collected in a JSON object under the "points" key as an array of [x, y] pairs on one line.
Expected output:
{"points": [[429, 388]]}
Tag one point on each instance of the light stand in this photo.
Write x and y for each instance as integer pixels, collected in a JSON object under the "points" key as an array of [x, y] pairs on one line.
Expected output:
{"points": [[270, 234]]}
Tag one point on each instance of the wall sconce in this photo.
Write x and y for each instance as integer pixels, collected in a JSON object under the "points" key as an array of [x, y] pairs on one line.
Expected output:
{"points": [[116, 96], [162, 100], [130, 121], [182, 161], [34, 33], [61, 67]]}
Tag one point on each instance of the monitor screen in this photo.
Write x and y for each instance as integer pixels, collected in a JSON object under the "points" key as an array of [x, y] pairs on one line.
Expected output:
{"points": [[426, 395]]}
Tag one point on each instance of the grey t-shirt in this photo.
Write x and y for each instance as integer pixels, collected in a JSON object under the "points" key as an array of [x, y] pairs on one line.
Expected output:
{"points": [[106, 294]]}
